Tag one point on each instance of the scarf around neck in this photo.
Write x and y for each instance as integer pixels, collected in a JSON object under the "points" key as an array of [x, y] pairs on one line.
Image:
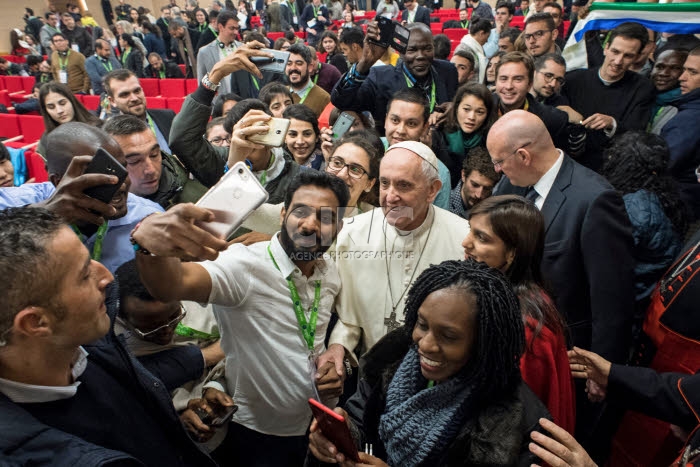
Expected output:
{"points": [[665, 98], [418, 423], [459, 145]]}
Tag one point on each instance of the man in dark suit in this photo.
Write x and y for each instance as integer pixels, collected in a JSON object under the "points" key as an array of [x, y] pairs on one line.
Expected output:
{"points": [[415, 13], [588, 237], [370, 88], [158, 68], [125, 93], [163, 22]]}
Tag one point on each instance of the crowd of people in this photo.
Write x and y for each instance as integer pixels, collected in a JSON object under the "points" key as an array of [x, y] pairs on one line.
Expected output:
{"points": [[493, 264]]}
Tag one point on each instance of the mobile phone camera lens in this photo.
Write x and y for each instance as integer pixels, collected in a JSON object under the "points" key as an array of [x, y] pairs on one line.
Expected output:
{"points": [[240, 171]]}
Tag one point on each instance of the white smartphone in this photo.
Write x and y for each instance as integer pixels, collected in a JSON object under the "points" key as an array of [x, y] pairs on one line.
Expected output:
{"points": [[275, 137], [232, 200]]}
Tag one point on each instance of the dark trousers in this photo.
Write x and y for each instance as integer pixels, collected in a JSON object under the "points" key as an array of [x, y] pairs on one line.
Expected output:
{"points": [[248, 448]]}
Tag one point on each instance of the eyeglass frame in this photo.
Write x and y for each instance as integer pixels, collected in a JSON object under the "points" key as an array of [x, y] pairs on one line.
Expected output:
{"points": [[499, 163], [169, 325], [561, 81], [537, 34], [227, 139], [345, 164]]}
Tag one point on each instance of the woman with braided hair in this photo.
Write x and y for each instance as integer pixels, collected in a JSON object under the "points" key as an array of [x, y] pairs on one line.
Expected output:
{"points": [[636, 166], [445, 389], [507, 233]]}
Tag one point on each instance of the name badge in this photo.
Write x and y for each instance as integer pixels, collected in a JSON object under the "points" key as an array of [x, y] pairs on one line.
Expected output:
{"points": [[311, 23], [295, 20], [75, 47], [63, 76]]}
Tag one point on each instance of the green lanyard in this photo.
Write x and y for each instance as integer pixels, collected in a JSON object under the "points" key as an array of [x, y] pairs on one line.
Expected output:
{"points": [[303, 98], [317, 73], [464, 24], [431, 383], [653, 119], [201, 27], [126, 55], [161, 73], [263, 177], [107, 65], [255, 82], [293, 6], [184, 331], [216, 34], [97, 247], [315, 12], [308, 329], [432, 91], [64, 63], [166, 22], [151, 124]]}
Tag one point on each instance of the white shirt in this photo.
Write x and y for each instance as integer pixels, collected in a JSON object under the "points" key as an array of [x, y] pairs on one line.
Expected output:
{"points": [[478, 49], [544, 184], [21, 393], [267, 370], [378, 263]]}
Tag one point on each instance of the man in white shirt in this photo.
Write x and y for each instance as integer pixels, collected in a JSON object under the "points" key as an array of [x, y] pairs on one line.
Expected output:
{"points": [[382, 252], [479, 32], [273, 303]]}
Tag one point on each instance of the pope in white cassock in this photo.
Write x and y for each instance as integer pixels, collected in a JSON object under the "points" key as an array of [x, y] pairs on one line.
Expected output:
{"points": [[380, 253]]}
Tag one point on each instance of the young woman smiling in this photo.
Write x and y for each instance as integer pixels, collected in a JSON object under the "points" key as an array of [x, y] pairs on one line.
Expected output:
{"points": [[303, 140], [469, 120], [330, 46], [438, 391], [507, 233]]}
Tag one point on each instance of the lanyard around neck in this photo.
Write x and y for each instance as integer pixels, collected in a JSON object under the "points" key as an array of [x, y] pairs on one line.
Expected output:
{"points": [[151, 124], [64, 62], [263, 177], [308, 329], [161, 73], [96, 253], [216, 34], [410, 83], [126, 55], [464, 24], [106, 63]]}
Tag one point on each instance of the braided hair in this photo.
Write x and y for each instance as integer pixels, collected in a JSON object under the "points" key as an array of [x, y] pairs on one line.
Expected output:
{"points": [[638, 161], [494, 366]]}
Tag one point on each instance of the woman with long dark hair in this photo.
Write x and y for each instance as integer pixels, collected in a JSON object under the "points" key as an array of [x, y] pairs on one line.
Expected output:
{"points": [[132, 58], [58, 105], [468, 122], [303, 140], [445, 388], [507, 233]]}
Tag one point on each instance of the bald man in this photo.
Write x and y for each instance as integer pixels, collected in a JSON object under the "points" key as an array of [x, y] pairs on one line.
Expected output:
{"points": [[588, 238], [103, 228]]}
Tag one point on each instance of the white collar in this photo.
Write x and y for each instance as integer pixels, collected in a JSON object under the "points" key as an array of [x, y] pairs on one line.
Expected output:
{"points": [[303, 90], [22, 393], [425, 226], [544, 184], [275, 168]]}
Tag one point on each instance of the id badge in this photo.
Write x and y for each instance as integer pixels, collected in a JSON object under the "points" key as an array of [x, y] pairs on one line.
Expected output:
{"points": [[63, 76], [75, 47], [295, 20], [311, 23], [311, 361]]}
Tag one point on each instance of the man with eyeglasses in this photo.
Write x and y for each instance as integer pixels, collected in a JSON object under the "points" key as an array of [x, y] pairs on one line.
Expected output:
{"points": [[550, 70], [588, 244], [68, 66], [540, 35], [216, 134]]}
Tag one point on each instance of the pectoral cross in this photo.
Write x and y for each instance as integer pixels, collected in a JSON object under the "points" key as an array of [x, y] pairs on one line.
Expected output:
{"points": [[391, 323]]}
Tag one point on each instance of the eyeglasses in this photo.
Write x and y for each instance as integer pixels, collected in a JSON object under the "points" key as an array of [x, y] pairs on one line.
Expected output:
{"points": [[548, 77], [499, 163], [219, 140], [170, 325], [536, 34], [336, 164]]}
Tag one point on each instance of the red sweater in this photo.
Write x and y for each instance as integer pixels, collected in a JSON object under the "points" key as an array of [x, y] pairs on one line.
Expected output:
{"points": [[545, 368]]}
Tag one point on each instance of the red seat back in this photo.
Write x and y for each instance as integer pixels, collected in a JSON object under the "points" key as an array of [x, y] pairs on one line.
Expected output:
{"points": [[91, 102], [191, 85], [9, 125], [150, 86], [36, 166], [5, 98], [32, 127], [14, 83], [28, 83], [183, 68], [455, 33], [156, 102], [175, 103], [174, 87]]}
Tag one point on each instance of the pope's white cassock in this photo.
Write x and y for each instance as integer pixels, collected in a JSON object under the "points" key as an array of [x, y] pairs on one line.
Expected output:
{"points": [[378, 263]]}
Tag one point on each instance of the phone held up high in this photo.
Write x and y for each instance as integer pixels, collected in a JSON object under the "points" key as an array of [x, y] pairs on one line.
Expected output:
{"points": [[392, 34], [342, 125], [276, 64], [275, 136], [104, 163], [232, 200]]}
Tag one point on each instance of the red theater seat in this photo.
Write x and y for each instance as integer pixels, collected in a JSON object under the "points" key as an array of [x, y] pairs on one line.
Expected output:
{"points": [[175, 103], [13, 84], [150, 86], [9, 126], [455, 33], [174, 87], [91, 102], [191, 85], [32, 127], [156, 102]]}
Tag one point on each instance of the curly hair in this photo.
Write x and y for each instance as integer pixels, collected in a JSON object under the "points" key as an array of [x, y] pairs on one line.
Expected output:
{"points": [[500, 337], [638, 161]]}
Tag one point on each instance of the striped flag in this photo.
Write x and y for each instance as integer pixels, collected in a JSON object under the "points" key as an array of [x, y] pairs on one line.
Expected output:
{"points": [[677, 18]]}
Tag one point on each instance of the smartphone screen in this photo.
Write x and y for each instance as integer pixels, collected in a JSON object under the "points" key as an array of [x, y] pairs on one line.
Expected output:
{"points": [[342, 125], [399, 40]]}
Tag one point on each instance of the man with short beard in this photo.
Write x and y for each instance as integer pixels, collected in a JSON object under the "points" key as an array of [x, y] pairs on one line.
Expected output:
{"points": [[66, 160], [550, 70], [304, 90], [273, 303]]}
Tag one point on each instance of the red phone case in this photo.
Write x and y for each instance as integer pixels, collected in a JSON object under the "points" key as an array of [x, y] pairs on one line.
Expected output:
{"points": [[334, 428]]}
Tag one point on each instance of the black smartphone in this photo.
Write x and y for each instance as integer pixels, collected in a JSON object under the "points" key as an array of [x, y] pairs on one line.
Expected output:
{"points": [[392, 34], [399, 40], [216, 421], [342, 125], [276, 64], [104, 163]]}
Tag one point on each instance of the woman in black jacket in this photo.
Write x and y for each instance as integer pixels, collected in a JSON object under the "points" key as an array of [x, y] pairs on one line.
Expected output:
{"points": [[445, 389], [131, 58], [330, 46]]}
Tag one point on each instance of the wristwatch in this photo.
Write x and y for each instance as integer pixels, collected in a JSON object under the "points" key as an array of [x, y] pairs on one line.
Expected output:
{"points": [[206, 82]]}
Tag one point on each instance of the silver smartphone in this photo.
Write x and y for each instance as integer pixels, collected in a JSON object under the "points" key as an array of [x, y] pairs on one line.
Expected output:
{"points": [[275, 136], [342, 125], [232, 200], [276, 64]]}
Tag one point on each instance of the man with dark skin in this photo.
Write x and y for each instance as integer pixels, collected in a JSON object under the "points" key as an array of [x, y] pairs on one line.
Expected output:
{"points": [[665, 75], [369, 88]]}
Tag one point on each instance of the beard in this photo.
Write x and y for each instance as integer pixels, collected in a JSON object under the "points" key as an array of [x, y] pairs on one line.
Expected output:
{"points": [[302, 247]]}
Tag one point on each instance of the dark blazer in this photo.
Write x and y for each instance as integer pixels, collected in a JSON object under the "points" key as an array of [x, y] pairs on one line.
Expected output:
{"points": [[242, 83], [588, 260], [374, 92], [134, 62], [422, 15], [163, 118], [171, 71]]}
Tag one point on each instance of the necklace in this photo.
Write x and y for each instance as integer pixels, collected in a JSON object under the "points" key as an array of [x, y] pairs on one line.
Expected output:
{"points": [[388, 275]]}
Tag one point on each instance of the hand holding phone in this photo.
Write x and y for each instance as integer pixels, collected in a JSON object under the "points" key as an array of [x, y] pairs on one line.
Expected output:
{"points": [[104, 163], [275, 135], [276, 64], [334, 427]]}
